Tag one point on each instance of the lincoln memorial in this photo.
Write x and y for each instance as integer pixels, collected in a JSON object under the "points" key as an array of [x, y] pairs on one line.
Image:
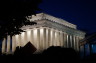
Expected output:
{"points": [[49, 31]]}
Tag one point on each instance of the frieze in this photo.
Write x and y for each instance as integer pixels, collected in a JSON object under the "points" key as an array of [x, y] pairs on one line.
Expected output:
{"points": [[50, 24], [51, 18]]}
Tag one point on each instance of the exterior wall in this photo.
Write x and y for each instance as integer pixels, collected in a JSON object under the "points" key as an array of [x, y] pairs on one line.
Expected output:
{"points": [[49, 31], [42, 38], [54, 25], [42, 16]]}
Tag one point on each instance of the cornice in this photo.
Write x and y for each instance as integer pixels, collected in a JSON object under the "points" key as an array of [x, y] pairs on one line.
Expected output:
{"points": [[54, 25], [41, 16]]}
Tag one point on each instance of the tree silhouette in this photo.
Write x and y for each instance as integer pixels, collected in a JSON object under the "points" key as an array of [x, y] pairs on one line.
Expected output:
{"points": [[13, 15]]}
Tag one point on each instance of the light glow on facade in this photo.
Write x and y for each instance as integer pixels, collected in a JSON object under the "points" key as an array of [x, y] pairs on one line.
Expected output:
{"points": [[17, 40], [35, 37], [47, 32]]}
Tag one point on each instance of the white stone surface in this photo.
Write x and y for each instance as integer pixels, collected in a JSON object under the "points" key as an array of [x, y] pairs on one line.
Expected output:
{"points": [[49, 31], [8, 44], [51, 18], [3, 45], [13, 44]]}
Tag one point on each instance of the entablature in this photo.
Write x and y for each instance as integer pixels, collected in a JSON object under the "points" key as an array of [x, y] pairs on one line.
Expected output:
{"points": [[50, 24], [42, 16]]}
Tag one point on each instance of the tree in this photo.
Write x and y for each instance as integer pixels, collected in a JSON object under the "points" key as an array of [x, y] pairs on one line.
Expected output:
{"points": [[13, 15]]}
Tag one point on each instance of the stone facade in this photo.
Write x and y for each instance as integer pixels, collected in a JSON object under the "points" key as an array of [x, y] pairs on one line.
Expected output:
{"points": [[49, 31]]}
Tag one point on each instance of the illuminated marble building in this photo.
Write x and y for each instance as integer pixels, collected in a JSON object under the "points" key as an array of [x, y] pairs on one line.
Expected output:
{"points": [[49, 31]]}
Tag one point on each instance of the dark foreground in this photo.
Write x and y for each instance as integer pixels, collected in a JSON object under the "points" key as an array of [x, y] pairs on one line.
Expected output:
{"points": [[51, 55]]}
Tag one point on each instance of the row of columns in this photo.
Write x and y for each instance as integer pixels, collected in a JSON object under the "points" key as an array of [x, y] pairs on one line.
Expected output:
{"points": [[41, 38], [85, 50]]}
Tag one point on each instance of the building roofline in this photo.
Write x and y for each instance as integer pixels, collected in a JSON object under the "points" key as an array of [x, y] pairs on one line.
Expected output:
{"points": [[41, 16]]}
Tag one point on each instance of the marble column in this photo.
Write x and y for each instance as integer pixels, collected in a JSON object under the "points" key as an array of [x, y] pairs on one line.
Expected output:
{"points": [[61, 39], [41, 38], [8, 44], [71, 41], [57, 38], [59, 43], [32, 37], [3, 45], [44, 36], [38, 39], [23, 39], [49, 35], [47, 38], [74, 42], [13, 44], [51, 38], [29, 35], [77, 43], [35, 37], [17, 40], [65, 39]]}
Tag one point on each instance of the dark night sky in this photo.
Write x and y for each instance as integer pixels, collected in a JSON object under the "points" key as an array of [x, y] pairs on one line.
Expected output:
{"points": [[79, 12]]}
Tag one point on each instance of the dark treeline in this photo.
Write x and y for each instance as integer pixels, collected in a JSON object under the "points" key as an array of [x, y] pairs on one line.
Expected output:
{"points": [[13, 15], [52, 54]]}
